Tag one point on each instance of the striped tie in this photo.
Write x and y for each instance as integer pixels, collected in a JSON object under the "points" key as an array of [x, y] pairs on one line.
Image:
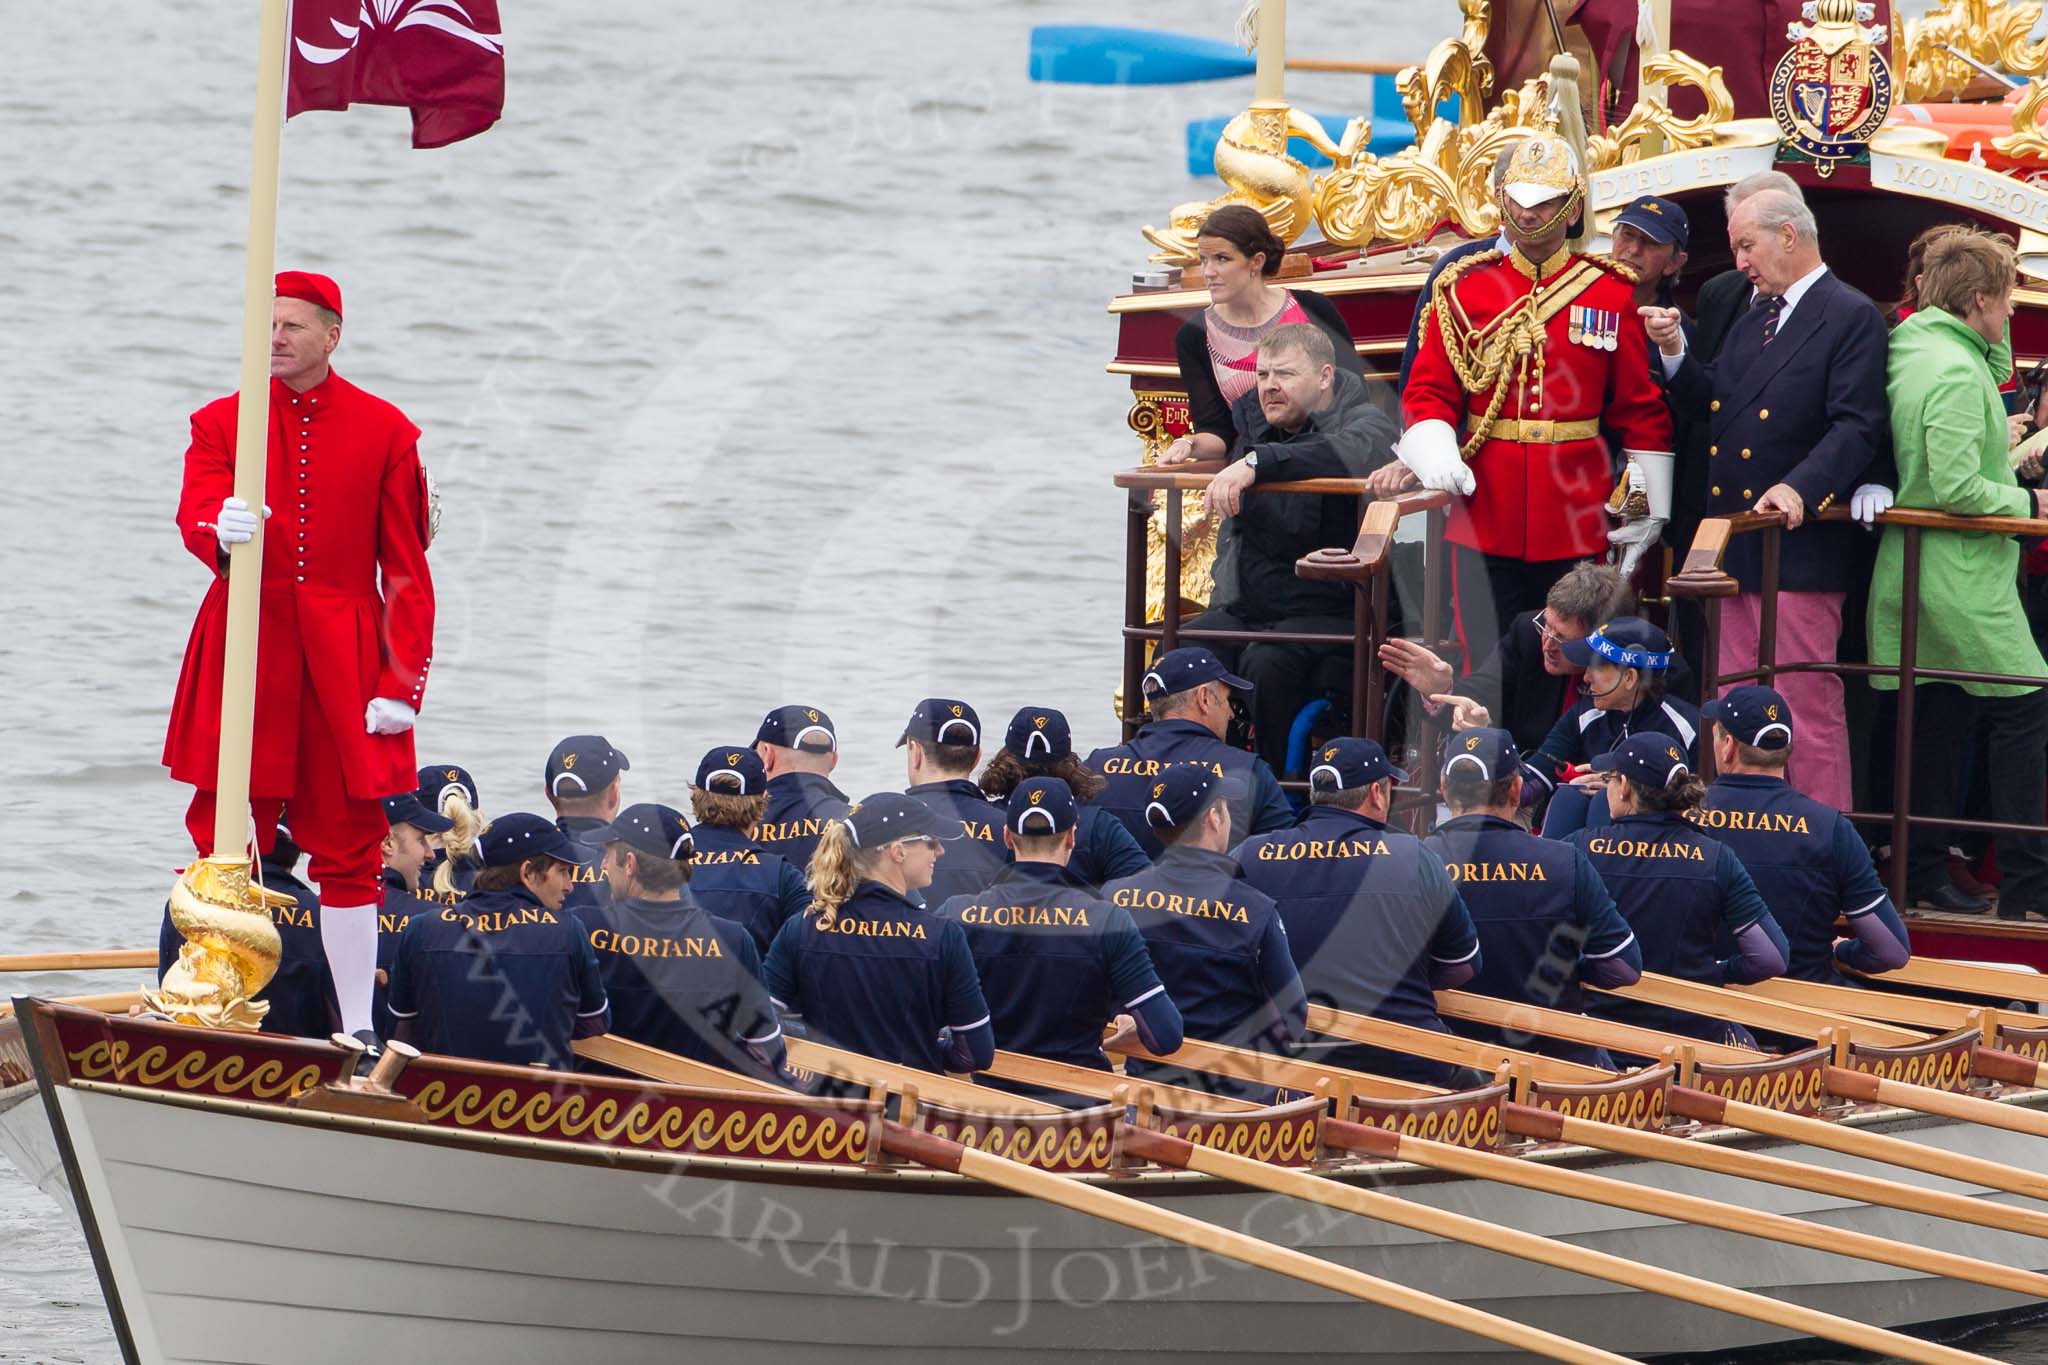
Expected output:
{"points": [[1774, 307]]}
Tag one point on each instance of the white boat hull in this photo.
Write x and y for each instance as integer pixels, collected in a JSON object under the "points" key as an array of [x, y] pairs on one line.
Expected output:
{"points": [[229, 1232]]}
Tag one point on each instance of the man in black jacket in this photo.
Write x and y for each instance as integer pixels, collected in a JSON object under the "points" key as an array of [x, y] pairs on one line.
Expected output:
{"points": [[1306, 419]]}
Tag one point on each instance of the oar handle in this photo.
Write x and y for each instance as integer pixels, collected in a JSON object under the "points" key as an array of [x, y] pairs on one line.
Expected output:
{"points": [[1350, 68]]}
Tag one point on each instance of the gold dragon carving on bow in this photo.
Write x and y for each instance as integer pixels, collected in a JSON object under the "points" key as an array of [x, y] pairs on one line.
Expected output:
{"points": [[1992, 33]]}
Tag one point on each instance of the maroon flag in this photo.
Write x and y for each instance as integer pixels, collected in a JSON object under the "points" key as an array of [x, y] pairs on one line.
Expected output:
{"points": [[442, 59]]}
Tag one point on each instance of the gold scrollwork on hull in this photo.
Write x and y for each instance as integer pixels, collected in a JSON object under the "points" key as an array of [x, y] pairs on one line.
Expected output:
{"points": [[1283, 1142], [1147, 418], [1048, 1148], [191, 1070], [731, 1132], [1985, 31]]}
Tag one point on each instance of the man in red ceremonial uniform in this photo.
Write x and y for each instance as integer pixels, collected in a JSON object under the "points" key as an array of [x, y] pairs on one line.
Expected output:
{"points": [[347, 622], [1527, 357]]}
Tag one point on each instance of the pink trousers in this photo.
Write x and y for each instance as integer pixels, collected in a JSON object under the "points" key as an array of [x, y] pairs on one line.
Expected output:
{"points": [[1809, 629]]}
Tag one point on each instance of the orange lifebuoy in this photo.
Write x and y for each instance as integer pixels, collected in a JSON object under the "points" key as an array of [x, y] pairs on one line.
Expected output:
{"points": [[1970, 128]]}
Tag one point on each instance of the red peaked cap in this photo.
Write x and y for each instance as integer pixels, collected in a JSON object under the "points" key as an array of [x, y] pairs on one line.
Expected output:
{"points": [[302, 284]]}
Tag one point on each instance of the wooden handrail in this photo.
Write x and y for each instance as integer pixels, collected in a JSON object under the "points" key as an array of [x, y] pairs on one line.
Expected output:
{"points": [[1196, 475], [1700, 574], [1373, 550]]}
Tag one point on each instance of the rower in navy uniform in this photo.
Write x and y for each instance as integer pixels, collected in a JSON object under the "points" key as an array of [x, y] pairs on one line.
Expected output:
{"points": [[1039, 743], [1058, 963], [1627, 663], [508, 975], [942, 740], [867, 967], [1187, 696], [1545, 921], [1374, 921], [300, 995], [1806, 859], [448, 789], [799, 749], [583, 786], [407, 850], [730, 875], [1681, 890], [1218, 944], [677, 977]]}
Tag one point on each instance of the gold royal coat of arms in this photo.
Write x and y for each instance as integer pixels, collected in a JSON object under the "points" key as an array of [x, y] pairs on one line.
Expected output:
{"points": [[1832, 88]]}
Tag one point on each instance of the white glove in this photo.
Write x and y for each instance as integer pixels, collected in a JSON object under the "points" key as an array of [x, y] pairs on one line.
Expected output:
{"points": [[1870, 502], [1430, 448], [1656, 471], [384, 716], [1633, 540], [235, 524]]}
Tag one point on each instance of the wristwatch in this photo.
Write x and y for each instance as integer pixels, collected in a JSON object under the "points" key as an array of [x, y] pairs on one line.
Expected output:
{"points": [[1251, 459]]}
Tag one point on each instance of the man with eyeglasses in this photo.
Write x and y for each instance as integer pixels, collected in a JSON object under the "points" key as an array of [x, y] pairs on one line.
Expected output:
{"points": [[1527, 682]]}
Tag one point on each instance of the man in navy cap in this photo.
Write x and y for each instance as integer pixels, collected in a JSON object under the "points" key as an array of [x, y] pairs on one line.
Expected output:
{"points": [[1683, 892], [301, 994], [677, 978], [1040, 743], [1545, 921], [1187, 696], [730, 875], [583, 786], [942, 744], [508, 975], [1651, 237], [1374, 920], [406, 855], [798, 749], [1217, 943], [1805, 858], [1058, 963]]}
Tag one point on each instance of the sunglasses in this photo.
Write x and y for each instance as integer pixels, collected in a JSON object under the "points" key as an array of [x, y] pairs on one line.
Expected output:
{"points": [[918, 841]]}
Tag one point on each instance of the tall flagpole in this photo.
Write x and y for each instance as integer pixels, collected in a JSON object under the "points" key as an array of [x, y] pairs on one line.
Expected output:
{"points": [[252, 442], [231, 944]]}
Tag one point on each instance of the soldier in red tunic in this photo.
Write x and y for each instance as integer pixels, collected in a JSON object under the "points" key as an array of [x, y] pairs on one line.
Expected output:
{"points": [[347, 611], [1531, 360]]}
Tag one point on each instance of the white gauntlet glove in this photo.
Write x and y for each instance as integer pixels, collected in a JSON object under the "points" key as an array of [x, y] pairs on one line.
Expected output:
{"points": [[384, 716], [1646, 482], [1870, 502], [235, 524], [1430, 449]]}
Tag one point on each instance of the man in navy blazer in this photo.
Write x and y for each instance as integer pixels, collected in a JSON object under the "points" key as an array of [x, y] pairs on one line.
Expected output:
{"points": [[1795, 412]]}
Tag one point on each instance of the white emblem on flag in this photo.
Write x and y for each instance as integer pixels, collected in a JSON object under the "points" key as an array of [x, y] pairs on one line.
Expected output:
{"points": [[446, 15]]}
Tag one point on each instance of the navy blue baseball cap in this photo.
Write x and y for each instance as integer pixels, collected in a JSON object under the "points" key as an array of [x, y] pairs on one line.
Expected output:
{"points": [[649, 827], [1183, 791], [405, 809], [886, 817], [799, 727], [1653, 761], [1040, 806], [732, 770], [1177, 670], [1626, 641], [1492, 752], [1659, 219], [1039, 732], [1754, 715], [583, 765], [941, 720], [1347, 762], [438, 779], [511, 839]]}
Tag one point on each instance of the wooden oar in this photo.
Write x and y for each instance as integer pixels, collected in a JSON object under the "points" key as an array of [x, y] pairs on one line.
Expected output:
{"points": [[1445, 1047], [867, 1071], [1938, 974], [1716, 1003], [1579, 1028], [1552, 1126], [113, 1002], [1153, 1220], [1867, 1088], [1262, 1068], [1181, 1154], [1943, 1016], [79, 962], [656, 1065], [1091, 54], [1102, 1085], [1683, 1208]]}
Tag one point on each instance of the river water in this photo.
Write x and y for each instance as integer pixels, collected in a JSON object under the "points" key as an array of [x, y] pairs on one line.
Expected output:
{"points": [[759, 358]]}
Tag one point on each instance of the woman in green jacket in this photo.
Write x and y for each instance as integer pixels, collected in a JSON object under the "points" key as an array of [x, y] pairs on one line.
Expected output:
{"points": [[1950, 439]]}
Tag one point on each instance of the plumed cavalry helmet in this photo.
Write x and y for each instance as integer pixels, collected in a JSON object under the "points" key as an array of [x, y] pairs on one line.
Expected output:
{"points": [[1542, 169]]}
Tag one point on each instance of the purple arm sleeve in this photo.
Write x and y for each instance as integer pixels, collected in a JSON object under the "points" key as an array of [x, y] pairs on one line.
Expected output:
{"points": [[1757, 957]]}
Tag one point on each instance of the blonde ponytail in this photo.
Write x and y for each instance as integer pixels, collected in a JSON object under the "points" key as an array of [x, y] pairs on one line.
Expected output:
{"points": [[833, 873], [457, 843]]}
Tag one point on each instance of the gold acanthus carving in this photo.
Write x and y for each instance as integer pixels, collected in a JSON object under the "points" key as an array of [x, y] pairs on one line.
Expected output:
{"points": [[231, 947], [1995, 34], [1624, 144], [2027, 138]]}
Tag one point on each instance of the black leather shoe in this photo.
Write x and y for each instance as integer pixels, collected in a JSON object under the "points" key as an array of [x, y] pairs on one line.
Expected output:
{"points": [[1949, 900], [2021, 914]]}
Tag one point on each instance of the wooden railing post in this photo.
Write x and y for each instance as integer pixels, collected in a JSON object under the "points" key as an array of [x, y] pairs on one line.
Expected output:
{"points": [[1169, 596], [1767, 606], [1902, 741], [1137, 520]]}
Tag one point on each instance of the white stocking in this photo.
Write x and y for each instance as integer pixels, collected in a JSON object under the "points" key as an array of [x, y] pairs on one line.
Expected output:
{"points": [[349, 935]]}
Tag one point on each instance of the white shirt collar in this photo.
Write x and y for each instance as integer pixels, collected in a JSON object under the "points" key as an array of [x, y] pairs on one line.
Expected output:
{"points": [[1798, 291]]}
